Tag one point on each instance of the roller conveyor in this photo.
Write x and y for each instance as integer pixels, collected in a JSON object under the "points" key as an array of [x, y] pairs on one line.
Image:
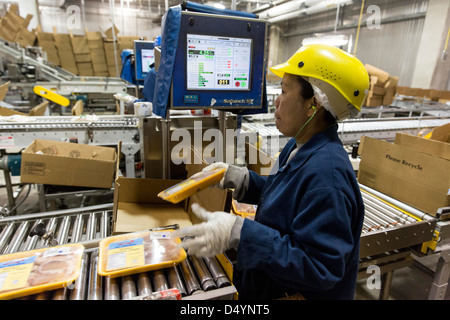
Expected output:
{"points": [[195, 278], [192, 281], [350, 131], [68, 226], [387, 235], [387, 227]]}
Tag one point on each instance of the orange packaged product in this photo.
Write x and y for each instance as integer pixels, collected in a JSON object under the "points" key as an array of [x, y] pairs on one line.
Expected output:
{"points": [[244, 209], [192, 185], [138, 252], [30, 272]]}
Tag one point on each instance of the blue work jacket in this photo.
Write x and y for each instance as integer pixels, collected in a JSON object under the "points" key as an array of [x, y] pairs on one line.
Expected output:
{"points": [[306, 234]]}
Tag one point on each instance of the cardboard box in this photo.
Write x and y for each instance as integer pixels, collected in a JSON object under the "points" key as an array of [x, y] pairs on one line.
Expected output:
{"points": [[95, 44], [79, 45], [137, 206], [94, 35], [441, 133], [4, 90], [413, 170], [85, 57], [38, 110], [69, 164], [109, 32], [25, 38], [374, 101]]}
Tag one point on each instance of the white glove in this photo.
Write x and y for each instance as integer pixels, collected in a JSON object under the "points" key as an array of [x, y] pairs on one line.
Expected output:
{"points": [[216, 166], [211, 237]]}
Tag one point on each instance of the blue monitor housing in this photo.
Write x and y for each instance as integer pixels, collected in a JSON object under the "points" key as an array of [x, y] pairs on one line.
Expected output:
{"points": [[144, 57], [219, 63]]}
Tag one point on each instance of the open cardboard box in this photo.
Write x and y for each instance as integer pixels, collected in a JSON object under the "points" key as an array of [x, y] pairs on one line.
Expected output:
{"points": [[413, 170], [68, 164], [137, 206]]}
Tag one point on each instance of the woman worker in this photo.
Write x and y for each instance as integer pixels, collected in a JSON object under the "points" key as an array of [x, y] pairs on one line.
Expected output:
{"points": [[306, 233]]}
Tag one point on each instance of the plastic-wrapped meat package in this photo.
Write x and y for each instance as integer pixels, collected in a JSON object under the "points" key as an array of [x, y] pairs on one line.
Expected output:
{"points": [[192, 185], [138, 252], [53, 266], [29, 272], [158, 250]]}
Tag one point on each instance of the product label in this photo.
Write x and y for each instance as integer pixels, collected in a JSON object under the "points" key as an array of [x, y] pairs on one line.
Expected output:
{"points": [[7, 142], [125, 254], [56, 252], [14, 274], [180, 186]]}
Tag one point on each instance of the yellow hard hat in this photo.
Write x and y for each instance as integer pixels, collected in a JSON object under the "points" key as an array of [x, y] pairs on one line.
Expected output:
{"points": [[338, 74]]}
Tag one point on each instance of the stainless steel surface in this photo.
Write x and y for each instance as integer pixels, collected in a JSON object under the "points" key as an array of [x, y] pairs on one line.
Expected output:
{"points": [[189, 277], [68, 226], [95, 291], [157, 143]]}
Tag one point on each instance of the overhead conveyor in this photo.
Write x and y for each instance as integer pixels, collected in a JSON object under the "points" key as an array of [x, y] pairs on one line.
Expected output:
{"points": [[58, 79]]}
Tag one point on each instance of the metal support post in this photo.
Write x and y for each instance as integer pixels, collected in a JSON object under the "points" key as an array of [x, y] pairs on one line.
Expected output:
{"points": [[440, 281]]}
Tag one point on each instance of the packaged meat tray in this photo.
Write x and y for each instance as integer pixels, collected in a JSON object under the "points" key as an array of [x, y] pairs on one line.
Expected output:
{"points": [[245, 210], [192, 185], [138, 252], [40, 270]]}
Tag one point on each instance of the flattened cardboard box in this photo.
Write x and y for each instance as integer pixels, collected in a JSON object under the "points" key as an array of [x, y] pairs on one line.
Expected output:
{"points": [[69, 164], [416, 176]]}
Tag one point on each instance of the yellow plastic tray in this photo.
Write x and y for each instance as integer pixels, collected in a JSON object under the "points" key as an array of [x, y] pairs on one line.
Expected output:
{"points": [[20, 272], [192, 185], [138, 252], [245, 210]]}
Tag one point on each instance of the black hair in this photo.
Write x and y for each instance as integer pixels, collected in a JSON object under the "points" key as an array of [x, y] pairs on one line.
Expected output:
{"points": [[307, 92], [307, 89]]}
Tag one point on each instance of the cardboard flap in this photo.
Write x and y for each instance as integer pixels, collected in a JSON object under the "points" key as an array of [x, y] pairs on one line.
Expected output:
{"points": [[428, 146], [66, 149], [143, 190], [441, 133], [133, 217], [4, 90]]}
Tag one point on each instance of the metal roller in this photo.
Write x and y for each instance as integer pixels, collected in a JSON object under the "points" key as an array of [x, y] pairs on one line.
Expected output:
{"points": [[31, 242], [5, 235], [104, 225], [63, 233], [79, 290], [95, 280], [91, 226], [191, 282], [18, 238], [159, 280], [217, 273], [60, 294], [77, 228], [206, 281], [112, 291], [128, 287], [144, 284], [175, 280]]}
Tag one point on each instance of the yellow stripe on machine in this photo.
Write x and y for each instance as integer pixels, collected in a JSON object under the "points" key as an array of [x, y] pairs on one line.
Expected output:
{"points": [[52, 96]]}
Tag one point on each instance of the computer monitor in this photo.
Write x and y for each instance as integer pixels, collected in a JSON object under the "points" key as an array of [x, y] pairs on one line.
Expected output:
{"points": [[219, 63], [144, 56]]}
